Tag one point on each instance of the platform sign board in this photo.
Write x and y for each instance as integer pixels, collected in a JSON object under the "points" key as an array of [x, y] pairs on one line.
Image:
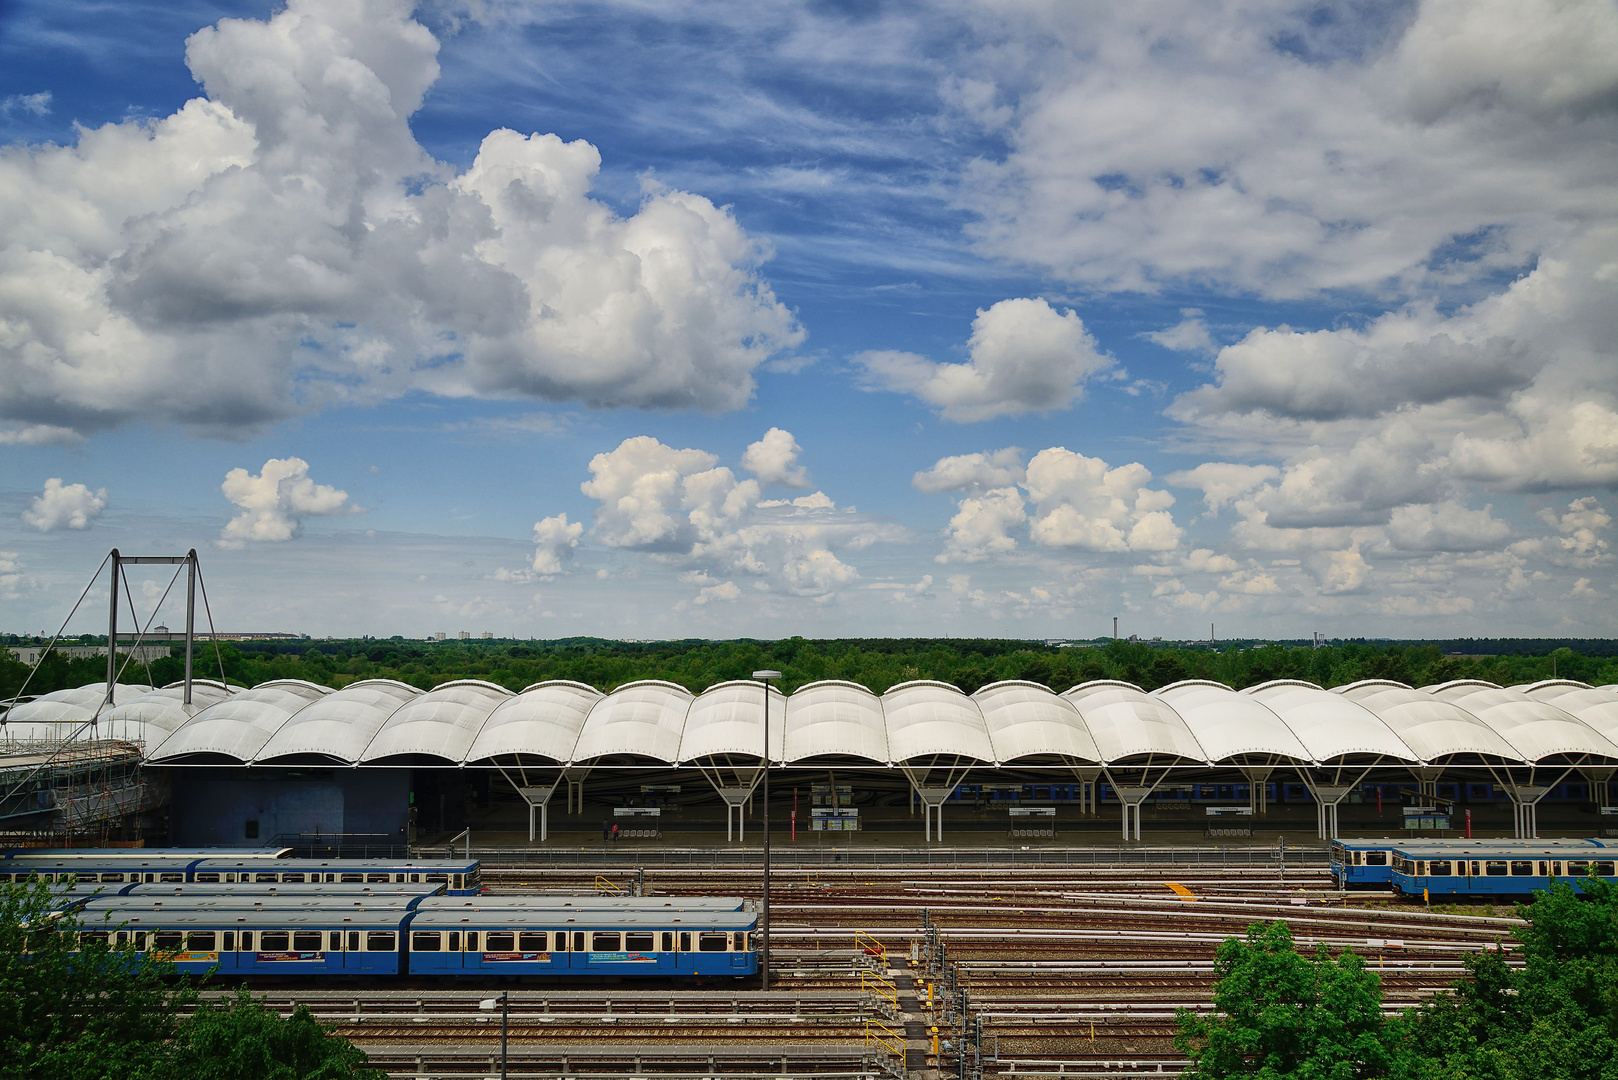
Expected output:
{"points": [[834, 819], [637, 811], [1229, 811], [1032, 811]]}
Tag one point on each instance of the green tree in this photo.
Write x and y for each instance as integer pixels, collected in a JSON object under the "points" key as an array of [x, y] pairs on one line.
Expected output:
{"points": [[1282, 1015], [240, 1039]]}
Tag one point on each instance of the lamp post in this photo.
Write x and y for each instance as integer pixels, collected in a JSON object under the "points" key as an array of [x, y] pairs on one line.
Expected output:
{"points": [[764, 916], [504, 1001]]}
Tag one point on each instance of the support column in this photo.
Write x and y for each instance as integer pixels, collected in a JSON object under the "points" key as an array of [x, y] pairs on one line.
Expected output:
{"points": [[736, 800], [1327, 799], [538, 798], [1087, 791], [932, 806], [1131, 798], [1258, 796], [1427, 782]]}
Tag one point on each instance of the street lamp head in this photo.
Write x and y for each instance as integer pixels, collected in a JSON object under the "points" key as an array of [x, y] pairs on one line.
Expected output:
{"points": [[766, 674]]}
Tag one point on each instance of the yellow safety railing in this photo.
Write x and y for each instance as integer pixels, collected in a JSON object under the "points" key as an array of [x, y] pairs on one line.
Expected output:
{"points": [[885, 1035], [607, 888], [878, 987], [869, 945]]}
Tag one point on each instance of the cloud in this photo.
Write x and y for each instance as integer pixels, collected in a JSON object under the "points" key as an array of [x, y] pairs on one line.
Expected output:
{"points": [[275, 502], [972, 472], [981, 526], [1581, 526], [1085, 504], [1448, 526], [1024, 357], [59, 506], [1221, 481], [1190, 334], [682, 508], [554, 541], [774, 459], [15, 434], [284, 242], [33, 104], [1289, 150]]}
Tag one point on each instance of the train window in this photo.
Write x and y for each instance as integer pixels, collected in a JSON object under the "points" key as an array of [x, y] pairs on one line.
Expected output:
{"points": [[1544, 869], [1578, 869], [209, 878], [685, 941], [379, 941], [266, 877], [415, 878], [140, 941], [605, 941], [122, 937], [292, 877], [668, 941], [454, 941], [118, 877], [437, 879], [1495, 868], [712, 942], [376, 877], [1421, 868], [95, 935], [457, 882], [352, 878], [740, 944], [166, 940], [353, 941], [424, 941], [1376, 858], [229, 944], [306, 941], [331, 877], [637, 941], [1439, 868], [1522, 868], [534, 941], [471, 941], [1605, 869], [247, 941], [200, 941], [275, 941], [578, 941], [1477, 869], [334, 941], [500, 941], [172, 877]]}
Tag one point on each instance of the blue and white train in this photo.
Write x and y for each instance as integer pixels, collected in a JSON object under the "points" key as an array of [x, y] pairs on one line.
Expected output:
{"points": [[1496, 868], [1368, 863], [458, 876]]}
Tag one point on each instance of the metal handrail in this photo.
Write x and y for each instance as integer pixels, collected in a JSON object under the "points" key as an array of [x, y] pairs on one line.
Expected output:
{"points": [[885, 1035], [869, 945], [607, 887]]}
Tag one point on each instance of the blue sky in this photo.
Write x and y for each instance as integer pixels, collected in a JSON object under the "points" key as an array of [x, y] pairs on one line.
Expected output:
{"points": [[790, 318]]}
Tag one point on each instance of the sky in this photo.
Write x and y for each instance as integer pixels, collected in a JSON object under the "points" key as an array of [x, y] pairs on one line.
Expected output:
{"points": [[692, 319]]}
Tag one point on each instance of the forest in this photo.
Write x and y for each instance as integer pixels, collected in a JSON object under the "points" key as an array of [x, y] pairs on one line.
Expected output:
{"points": [[877, 663]]}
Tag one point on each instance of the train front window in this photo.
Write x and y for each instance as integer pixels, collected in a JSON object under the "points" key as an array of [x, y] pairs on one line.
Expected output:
{"points": [[380, 941], [456, 884], [275, 941], [424, 941], [306, 941], [1495, 868], [605, 941], [740, 944], [500, 941], [712, 942], [639, 942]]}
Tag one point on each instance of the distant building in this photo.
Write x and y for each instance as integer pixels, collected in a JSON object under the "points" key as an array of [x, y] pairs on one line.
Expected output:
{"points": [[466, 635], [439, 636], [143, 654], [487, 635]]}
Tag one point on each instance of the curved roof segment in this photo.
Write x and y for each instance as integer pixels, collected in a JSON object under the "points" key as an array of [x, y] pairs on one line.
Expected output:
{"points": [[1027, 720], [1536, 729], [1127, 724], [339, 725], [543, 721], [239, 726], [728, 720], [835, 719], [930, 719], [49, 716], [1593, 707], [1229, 725], [152, 717], [643, 719], [440, 723], [1331, 726], [1432, 727]]}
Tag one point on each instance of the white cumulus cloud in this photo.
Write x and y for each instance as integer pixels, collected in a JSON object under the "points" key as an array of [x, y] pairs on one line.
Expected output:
{"points": [[64, 506], [554, 540], [275, 502], [774, 459], [1024, 356]]}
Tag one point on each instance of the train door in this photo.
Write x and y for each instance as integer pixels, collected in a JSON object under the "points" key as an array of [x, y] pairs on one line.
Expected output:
{"points": [[682, 960], [738, 955]]}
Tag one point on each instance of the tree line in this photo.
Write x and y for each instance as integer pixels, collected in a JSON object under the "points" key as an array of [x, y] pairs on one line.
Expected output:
{"points": [[878, 663], [1285, 1015]]}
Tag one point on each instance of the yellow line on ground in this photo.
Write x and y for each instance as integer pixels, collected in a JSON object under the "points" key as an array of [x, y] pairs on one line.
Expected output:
{"points": [[1181, 891]]}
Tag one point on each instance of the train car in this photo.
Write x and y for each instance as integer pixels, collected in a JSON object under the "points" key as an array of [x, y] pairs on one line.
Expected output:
{"points": [[452, 941], [598, 903], [1486, 868], [1369, 863], [105, 855], [458, 876]]}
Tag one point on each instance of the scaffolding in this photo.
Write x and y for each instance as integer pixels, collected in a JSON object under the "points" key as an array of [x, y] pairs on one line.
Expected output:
{"points": [[73, 792]]}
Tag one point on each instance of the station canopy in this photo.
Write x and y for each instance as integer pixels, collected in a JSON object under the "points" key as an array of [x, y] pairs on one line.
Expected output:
{"points": [[379, 722]]}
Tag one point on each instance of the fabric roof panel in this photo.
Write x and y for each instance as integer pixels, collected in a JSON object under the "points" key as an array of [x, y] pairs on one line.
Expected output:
{"points": [[927, 718], [835, 719], [1536, 729], [1127, 723], [1230, 725], [728, 718], [1027, 720], [1329, 725], [1432, 728], [440, 723], [1594, 707], [544, 721], [341, 724], [645, 719], [240, 725]]}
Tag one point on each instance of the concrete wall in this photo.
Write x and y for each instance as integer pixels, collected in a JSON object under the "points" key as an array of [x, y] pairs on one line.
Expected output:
{"points": [[213, 806]]}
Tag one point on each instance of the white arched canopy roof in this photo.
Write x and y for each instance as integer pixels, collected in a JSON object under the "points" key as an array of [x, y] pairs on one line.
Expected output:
{"points": [[1129, 724], [1536, 729], [1329, 725], [339, 725], [1027, 720], [543, 721], [239, 726], [643, 719], [928, 719], [51, 716], [727, 720], [1229, 725], [152, 717], [1432, 727], [1594, 707], [440, 723], [835, 719]]}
